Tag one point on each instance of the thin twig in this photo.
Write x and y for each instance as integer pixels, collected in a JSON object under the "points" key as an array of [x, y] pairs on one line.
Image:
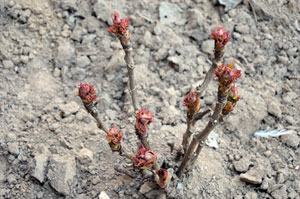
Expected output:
{"points": [[199, 116], [124, 171], [201, 88], [253, 10]]}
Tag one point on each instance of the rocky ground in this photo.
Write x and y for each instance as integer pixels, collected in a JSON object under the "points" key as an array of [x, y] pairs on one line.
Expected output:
{"points": [[51, 148]]}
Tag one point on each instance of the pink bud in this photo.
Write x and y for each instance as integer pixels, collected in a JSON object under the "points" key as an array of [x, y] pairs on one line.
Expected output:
{"points": [[221, 37], [120, 26], [87, 93], [143, 119], [114, 138], [164, 177], [144, 158]]}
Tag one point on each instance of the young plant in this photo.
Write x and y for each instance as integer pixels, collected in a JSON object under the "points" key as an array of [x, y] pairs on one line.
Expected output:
{"points": [[145, 158]]}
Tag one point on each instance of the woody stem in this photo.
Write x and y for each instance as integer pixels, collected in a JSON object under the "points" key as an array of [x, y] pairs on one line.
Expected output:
{"points": [[201, 136], [130, 67], [215, 62]]}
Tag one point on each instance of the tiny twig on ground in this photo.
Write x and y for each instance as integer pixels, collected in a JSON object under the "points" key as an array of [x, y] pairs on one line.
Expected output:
{"points": [[124, 171]]}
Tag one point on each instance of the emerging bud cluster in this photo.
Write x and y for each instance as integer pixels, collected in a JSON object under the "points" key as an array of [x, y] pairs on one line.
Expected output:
{"points": [[87, 93], [192, 102], [221, 38], [114, 138], [164, 177], [227, 75], [232, 100], [143, 119], [120, 26], [144, 158]]}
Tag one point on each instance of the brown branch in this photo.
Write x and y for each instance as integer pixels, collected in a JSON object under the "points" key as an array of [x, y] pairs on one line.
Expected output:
{"points": [[190, 124], [215, 62], [201, 136], [130, 67], [199, 116]]}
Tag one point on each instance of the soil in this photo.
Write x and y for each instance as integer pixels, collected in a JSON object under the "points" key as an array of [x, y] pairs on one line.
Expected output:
{"points": [[50, 147]]}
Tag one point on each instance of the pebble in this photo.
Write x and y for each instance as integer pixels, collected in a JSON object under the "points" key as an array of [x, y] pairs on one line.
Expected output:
{"points": [[10, 137], [283, 59], [208, 46], [8, 64], [292, 140], [169, 13], [103, 195], [62, 173], [39, 169], [145, 188], [13, 148], [83, 61], [250, 179], [11, 179], [242, 165], [85, 155], [70, 108], [274, 109], [24, 59], [243, 29], [56, 72]]}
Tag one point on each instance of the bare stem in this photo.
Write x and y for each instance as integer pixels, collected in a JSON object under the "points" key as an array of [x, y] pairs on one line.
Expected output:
{"points": [[130, 67], [187, 135], [199, 116], [217, 58], [201, 136]]}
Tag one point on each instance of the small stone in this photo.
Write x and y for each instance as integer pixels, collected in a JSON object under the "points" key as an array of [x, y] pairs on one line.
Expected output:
{"points": [[290, 120], [103, 195], [253, 176], [69, 5], [179, 186], [250, 179], [292, 51], [11, 179], [13, 148], [292, 140], [62, 174], [65, 54], [8, 64], [288, 97], [283, 59], [169, 13], [83, 61], [265, 184], [274, 109], [145, 188], [24, 59], [251, 195], [10, 137], [208, 46], [56, 72], [242, 165], [70, 108], [268, 153], [40, 164], [85, 155], [243, 29]]}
